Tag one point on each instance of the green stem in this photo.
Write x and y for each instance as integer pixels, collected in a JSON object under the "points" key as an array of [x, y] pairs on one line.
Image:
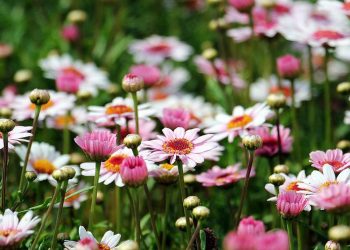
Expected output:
{"points": [[119, 209], [119, 136], [245, 188], [4, 170], [312, 117], [182, 191], [46, 216], [279, 136], [290, 233], [132, 207], [327, 103], [26, 159], [299, 237], [295, 125], [166, 201], [59, 215], [134, 98], [137, 217], [153, 219], [194, 236], [94, 195], [66, 134]]}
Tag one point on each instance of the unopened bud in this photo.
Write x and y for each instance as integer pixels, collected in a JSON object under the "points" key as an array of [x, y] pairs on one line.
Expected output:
{"points": [[6, 125], [132, 83], [332, 245], [100, 197], [344, 145], [5, 112], [281, 169], [39, 96], [276, 101], [276, 179], [23, 75], [252, 142], [181, 223], [189, 179], [69, 171], [84, 95], [209, 53], [77, 158], [132, 141], [30, 176], [191, 202], [59, 175], [76, 16], [200, 212], [339, 233], [128, 245], [343, 88]]}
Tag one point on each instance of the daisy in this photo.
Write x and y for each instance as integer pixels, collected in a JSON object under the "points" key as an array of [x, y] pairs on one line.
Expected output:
{"points": [[217, 176], [290, 204], [186, 145], [13, 230], [165, 173], [333, 157], [118, 111], [43, 160], [240, 121], [110, 169], [59, 104], [74, 75], [109, 240], [155, 49], [335, 6], [16, 136], [318, 180], [75, 200], [263, 87], [147, 129]]}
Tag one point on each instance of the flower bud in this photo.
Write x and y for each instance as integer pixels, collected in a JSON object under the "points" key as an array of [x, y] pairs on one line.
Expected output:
{"points": [[128, 245], [181, 223], [276, 101], [77, 158], [344, 145], [281, 169], [242, 5], [276, 179], [6, 125], [332, 245], [214, 2], [39, 96], [84, 95], [113, 90], [99, 197], [132, 83], [268, 4], [133, 171], [69, 171], [288, 66], [5, 112], [59, 175], [132, 141], [76, 16], [252, 142], [191, 202], [61, 237], [189, 179], [30, 176], [343, 88], [22, 75], [200, 212], [213, 24], [339, 233], [210, 53]]}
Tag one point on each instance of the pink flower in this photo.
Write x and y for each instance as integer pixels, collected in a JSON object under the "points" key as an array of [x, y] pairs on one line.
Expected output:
{"points": [[86, 244], [242, 5], [98, 145], [70, 33], [335, 198], [8, 95], [277, 240], [134, 171], [176, 117], [236, 241], [250, 226], [69, 81], [151, 75], [5, 50], [288, 66], [186, 145], [16, 136], [290, 203], [270, 141], [333, 157], [217, 176]]}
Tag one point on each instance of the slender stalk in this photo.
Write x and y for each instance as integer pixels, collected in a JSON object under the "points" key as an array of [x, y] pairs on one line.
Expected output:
{"points": [[26, 159], [94, 195], [279, 136], [290, 233], [119, 137], [132, 207], [66, 134], [245, 188], [46, 216], [153, 219], [136, 111], [182, 191], [295, 123], [299, 237], [59, 215], [119, 210], [194, 236], [137, 217], [312, 117], [327, 103], [4, 169], [166, 201]]}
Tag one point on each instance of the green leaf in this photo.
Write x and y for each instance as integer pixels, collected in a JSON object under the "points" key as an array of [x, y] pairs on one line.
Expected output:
{"points": [[202, 239]]}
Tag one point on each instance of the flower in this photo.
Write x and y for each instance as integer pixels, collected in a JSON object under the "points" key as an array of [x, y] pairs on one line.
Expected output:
{"points": [[59, 104], [276, 240], [242, 5], [290, 203], [75, 72], [13, 230], [8, 95], [5, 50], [270, 141], [75, 200], [151, 75], [176, 117], [288, 66], [186, 145], [250, 226], [217, 176], [98, 145], [16, 136], [70, 33], [134, 171], [165, 173], [155, 49], [241, 120], [333, 157], [108, 242], [110, 169], [236, 241]]}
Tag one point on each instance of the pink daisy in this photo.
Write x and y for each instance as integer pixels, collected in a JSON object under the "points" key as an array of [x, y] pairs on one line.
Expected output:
{"points": [[217, 176], [291, 204], [251, 226], [333, 157], [8, 95], [186, 145], [16, 136]]}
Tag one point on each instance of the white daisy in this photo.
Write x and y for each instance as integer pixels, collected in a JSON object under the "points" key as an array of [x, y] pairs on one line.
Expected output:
{"points": [[16, 136]]}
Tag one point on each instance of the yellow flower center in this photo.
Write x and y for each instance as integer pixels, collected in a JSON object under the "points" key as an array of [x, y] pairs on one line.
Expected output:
{"points": [[114, 162], [64, 120], [8, 232], [179, 146], [167, 166], [43, 107], [102, 246], [43, 166], [239, 122], [327, 184], [118, 109]]}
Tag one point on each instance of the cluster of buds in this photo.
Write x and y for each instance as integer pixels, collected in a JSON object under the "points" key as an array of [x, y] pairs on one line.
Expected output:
{"points": [[63, 174]]}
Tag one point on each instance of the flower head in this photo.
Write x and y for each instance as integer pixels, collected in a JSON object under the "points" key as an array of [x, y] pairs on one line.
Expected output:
{"points": [[176, 117], [250, 226], [291, 204], [333, 157], [242, 5], [288, 66], [134, 171], [16, 136], [151, 75], [70, 33]]}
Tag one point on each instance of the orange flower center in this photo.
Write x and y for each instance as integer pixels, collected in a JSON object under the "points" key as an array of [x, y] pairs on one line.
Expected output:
{"points": [[102, 246], [239, 122], [43, 107], [64, 120], [73, 197], [167, 166], [286, 91], [114, 162], [118, 109], [8, 232], [74, 71], [327, 184], [43, 166], [293, 186], [179, 146]]}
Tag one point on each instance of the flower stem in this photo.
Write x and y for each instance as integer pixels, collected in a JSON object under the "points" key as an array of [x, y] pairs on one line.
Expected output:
{"points": [[295, 123], [299, 236], [165, 216], [119, 209], [134, 98], [194, 236], [290, 233], [153, 219], [182, 191], [245, 188], [119, 136], [43, 222], [66, 136], [4, 170], [327, 103], [279, 136], [94, 195], [26, 159], [137, 217], [59, 215], [312, 117], [132, 208]]}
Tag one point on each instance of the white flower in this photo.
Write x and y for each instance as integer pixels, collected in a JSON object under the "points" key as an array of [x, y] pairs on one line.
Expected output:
{"points": [[16, 136]]}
